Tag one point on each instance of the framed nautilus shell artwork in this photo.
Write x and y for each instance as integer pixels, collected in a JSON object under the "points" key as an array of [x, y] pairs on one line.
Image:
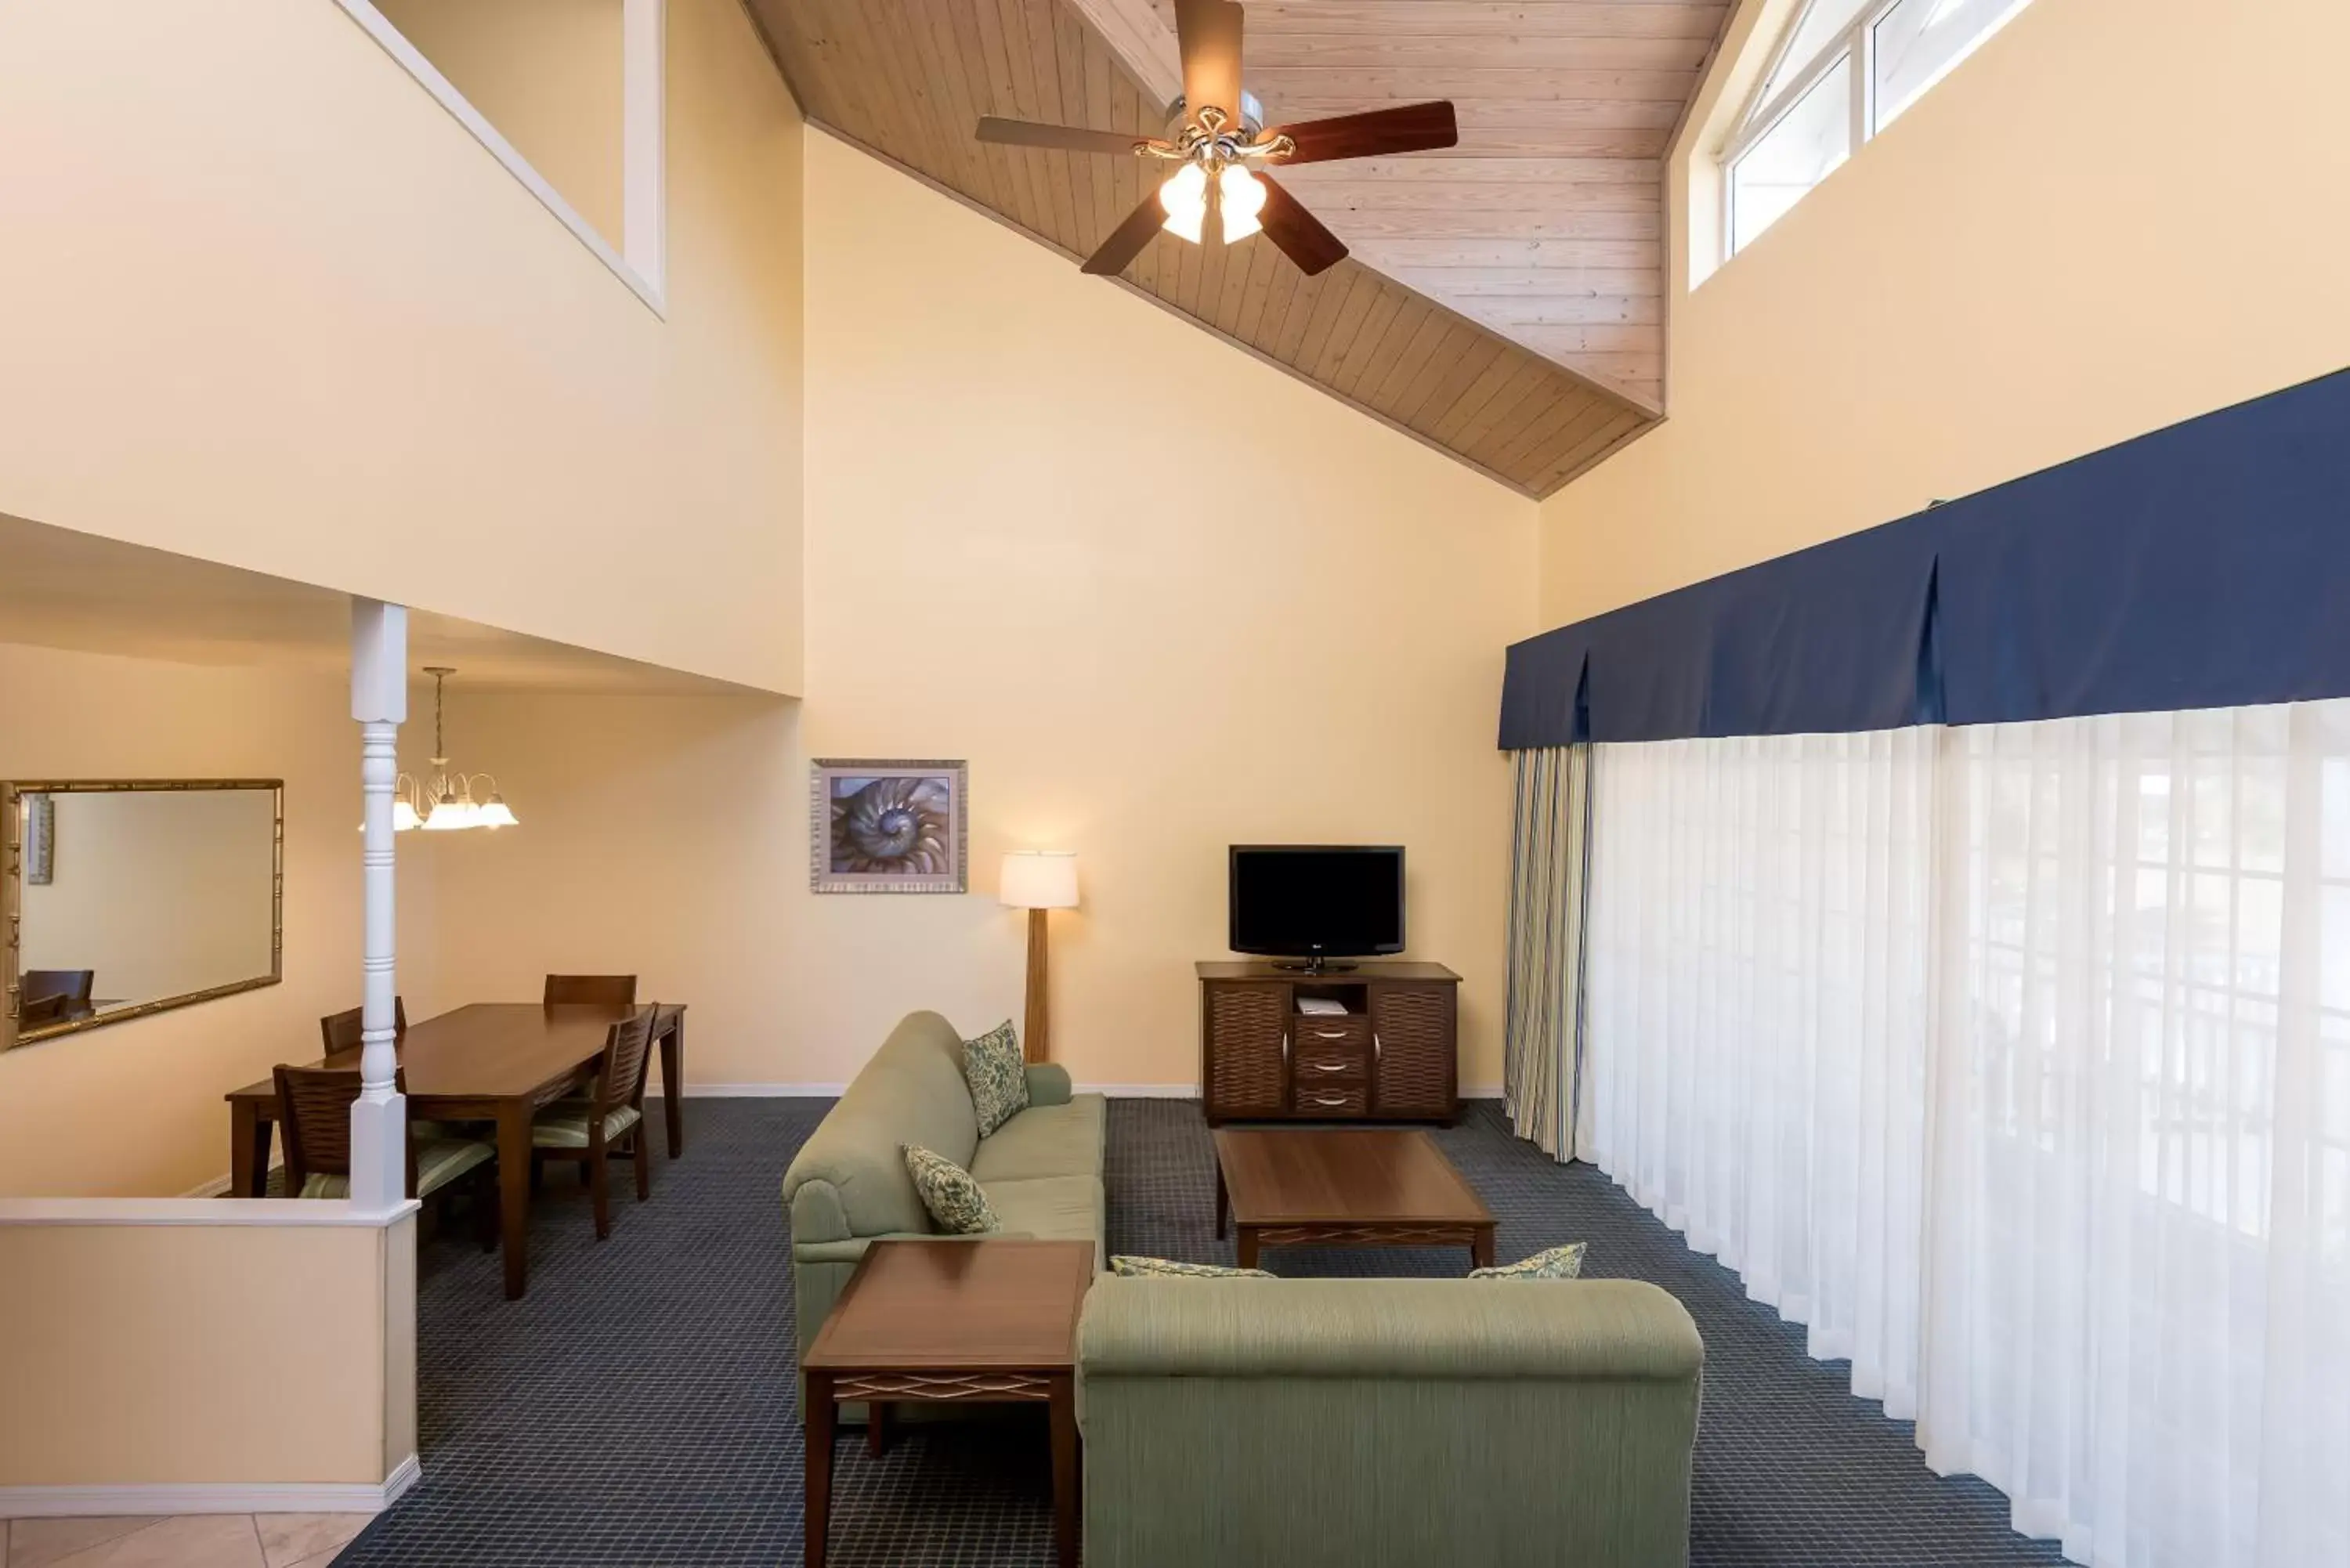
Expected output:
{"points": [[886, 826]]}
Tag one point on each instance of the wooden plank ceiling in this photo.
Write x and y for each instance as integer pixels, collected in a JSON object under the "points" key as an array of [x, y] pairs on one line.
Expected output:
{"points": [[1503, 301]]}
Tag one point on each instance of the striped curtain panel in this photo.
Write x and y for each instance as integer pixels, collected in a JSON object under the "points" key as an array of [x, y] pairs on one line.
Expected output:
{"points": [[1549, 870]]}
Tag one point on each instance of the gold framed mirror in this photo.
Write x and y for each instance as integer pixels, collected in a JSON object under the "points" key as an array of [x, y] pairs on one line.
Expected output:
{"points": [[120, 898]]}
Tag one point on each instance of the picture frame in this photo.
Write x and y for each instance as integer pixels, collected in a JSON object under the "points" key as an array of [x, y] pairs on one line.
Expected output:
{"points": [[888, 825]]}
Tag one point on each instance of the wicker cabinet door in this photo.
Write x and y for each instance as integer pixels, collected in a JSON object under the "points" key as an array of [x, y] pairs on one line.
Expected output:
{"points": [[1247, 1049], [1411, 1062]]}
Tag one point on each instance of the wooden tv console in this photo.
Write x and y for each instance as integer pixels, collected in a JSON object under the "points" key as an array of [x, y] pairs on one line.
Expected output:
{"points": [[1393, 1055]]}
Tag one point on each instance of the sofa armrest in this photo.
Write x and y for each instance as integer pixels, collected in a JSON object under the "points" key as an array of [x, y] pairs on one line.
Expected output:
{"points": [[1048, 1084]]}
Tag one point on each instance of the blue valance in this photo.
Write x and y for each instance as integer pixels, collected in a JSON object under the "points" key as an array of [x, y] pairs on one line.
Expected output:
{"points": [[2202, 566]]}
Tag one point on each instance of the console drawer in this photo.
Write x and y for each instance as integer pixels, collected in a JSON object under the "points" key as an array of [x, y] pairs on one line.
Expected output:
{"points": [[1328, 1033], [1329, 1099], [1329, 1064]]}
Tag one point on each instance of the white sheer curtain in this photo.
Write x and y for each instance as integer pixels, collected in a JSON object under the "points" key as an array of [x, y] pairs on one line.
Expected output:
{"points": [[2015, 1061], [1756, 997]]}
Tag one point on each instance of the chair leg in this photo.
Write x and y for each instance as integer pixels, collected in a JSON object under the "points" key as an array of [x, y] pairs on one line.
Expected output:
{"points": [[537, 1172], [641, 1155], [600, 1182], [485, 1208]]}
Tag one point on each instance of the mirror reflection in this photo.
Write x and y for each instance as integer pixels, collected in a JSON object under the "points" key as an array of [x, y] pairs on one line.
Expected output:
{"points": [[132, 898]]}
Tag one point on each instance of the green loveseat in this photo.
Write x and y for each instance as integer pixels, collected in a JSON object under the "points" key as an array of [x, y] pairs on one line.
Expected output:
{"points": [[847, 1187], [1361, 1423]]}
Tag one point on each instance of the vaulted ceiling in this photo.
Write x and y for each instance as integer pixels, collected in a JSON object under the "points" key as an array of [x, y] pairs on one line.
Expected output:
{"points": [[1504, 299]]}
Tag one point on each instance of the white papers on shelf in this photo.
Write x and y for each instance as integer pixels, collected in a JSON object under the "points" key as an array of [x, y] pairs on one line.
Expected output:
{"points": [[1321, 1006]]}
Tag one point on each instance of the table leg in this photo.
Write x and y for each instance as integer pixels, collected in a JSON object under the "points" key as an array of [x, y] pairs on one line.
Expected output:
{"points": [[248, 1151], [816, 1513], [672, 1050], [1247, 1247], [1223, 1200], [876, 1429], [1066, 1470], [1480, 1247], [514, 1192]]}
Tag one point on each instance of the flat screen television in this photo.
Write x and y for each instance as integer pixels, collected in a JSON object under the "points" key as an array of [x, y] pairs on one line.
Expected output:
{"points": [[1315, 902]]}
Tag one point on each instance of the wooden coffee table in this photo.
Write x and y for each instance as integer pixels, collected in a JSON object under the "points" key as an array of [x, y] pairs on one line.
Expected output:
{"points": [[1355, 1188], [952, 1323]]}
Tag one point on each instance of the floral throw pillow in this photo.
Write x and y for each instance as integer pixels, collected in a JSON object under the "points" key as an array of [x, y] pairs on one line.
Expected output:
{"points": [[1130, 1267], [991, 1066], [957, 1205], [1558, 1263]]}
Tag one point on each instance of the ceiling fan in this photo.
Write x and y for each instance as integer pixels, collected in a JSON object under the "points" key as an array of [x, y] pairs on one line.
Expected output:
{"points": [[1220, 190]]}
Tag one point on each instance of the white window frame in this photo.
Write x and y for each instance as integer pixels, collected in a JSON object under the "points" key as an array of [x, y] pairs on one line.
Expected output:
{"points": [[641, 262], [1757, 118]]}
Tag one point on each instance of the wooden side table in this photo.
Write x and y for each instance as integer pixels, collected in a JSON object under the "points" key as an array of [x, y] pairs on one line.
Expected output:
{"points": [[952, 1323]]}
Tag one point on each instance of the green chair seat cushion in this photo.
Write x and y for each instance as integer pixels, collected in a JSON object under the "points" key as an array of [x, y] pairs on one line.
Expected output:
{"points": [[438, 1163], [1127, 1267], [957, 1205], [1045, 1140], [996, 1076], [559, 1128], [1556, 1263]]}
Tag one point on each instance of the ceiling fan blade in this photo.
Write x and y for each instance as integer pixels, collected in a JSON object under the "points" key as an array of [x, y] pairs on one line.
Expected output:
{"points": [[1209, 34], [1407, 128], [1125, 241], [1298, 233], [1068, 138]]}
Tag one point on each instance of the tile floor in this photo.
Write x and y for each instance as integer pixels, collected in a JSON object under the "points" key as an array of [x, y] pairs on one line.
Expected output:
{"points": [[183, 1540]]}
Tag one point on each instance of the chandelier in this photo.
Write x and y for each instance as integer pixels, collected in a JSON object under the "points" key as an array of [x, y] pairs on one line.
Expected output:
{"points": [[447, 803]]}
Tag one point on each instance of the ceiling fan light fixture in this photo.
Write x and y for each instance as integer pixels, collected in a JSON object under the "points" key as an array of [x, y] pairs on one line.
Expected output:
{"points": [[1184, 195], [1242, 195]]}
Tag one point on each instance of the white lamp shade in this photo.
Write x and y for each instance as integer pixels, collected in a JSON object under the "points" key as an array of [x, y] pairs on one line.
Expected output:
{"points": [[1040, 879]]}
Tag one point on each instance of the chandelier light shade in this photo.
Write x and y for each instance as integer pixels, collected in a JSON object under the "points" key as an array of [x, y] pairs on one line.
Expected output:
{"points": [[447, 801]]}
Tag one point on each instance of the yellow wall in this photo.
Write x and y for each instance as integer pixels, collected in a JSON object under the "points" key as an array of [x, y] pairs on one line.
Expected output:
{"points": [[2117, 214], [293, 316], [546, 74], [134, 1108], [180, 1352], [1163, 598]]}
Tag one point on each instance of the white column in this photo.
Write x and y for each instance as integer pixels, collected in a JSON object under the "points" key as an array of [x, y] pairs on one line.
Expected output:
{"points": [[379, 702]]}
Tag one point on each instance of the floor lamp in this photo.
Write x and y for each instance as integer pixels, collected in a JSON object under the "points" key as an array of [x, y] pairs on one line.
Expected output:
{"points": [[1038, 880]]}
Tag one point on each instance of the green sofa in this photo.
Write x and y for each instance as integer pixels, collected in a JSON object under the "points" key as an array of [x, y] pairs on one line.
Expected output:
{"points": [[847, 1188], [1356, 1423]]}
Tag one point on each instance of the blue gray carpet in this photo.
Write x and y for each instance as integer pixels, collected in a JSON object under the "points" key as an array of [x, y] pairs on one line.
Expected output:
{"points": [[637, 1407]]}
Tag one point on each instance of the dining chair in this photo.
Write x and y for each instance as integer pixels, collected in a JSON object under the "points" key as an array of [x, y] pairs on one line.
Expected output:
{"points": [[612, 1112], [341, 1031], [602, 989], [314, 1112], [40, 1011], [71, 984]]}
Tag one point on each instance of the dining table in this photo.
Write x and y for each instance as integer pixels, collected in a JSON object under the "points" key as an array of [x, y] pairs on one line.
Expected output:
{"points": [[493, 1062]]}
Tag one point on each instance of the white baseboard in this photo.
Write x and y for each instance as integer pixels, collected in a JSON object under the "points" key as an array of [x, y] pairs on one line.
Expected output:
{"points": [[109, 1501]]}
